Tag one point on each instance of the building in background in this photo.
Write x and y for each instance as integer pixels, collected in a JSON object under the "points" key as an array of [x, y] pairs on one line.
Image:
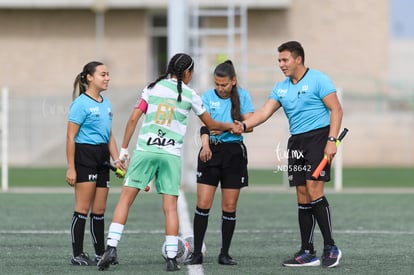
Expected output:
{"points": [[45, 43]]}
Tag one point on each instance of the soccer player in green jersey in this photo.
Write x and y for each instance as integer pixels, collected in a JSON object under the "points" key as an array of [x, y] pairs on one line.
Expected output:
{"points": [[166, 103]]}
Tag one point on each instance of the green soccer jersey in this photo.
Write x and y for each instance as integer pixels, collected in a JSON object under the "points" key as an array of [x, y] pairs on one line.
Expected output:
{"points": [[166, 119]]}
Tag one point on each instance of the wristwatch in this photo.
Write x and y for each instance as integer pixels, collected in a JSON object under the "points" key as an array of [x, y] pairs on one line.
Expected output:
{"points": [[331, 138]]}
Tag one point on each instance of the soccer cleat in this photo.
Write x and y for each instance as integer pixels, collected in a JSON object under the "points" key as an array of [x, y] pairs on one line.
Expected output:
{"points": [[303, 258], [331, 256], [195, 258], [225, 259], [172, 264], [98, 258], [81, 259], [109, 257]]}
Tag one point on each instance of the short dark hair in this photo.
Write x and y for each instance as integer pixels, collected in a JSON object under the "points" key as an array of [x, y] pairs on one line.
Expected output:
{"points": [[294, 47]]}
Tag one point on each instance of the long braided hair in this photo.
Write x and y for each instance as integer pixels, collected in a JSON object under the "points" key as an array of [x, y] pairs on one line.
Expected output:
{"points": [[80, 85], [226, 69], [178, 64]]}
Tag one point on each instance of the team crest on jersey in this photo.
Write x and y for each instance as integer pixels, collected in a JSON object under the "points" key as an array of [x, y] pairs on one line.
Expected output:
{"points": [[161, 140], [304, 89], [214, 105], [94, 111], [281, 92]]}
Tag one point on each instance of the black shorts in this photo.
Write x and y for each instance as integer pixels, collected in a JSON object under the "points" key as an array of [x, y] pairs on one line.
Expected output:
{"points": [[228, 165], [305, 152], [89, 163]]}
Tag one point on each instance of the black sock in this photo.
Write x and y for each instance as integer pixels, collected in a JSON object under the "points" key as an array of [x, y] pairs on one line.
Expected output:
{"points": [[306, 226], [77, 232], [200, 228], [97, 226], [228, 223], [322, 212]]}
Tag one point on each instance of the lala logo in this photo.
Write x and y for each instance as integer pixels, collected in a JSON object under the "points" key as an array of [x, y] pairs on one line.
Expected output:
{"points": [[160, 140]]}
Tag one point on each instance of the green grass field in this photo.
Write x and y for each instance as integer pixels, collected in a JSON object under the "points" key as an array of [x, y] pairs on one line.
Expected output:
{"points": [[374, 231]]}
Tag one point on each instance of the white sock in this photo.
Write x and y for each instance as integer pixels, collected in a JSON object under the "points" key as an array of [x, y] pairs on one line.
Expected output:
{"points": [[114, 234], [171, 246]]}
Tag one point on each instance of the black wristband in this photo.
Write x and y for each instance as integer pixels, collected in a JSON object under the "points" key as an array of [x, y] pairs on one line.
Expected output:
{"points": [[204, 130], [244, 127]]}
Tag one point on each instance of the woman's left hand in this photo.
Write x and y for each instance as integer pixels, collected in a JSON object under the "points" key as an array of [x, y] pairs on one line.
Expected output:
{"points": [[205, 154]]}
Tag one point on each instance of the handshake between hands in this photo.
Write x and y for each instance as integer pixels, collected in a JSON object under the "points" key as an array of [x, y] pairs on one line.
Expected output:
{"points": [[237, 128]]}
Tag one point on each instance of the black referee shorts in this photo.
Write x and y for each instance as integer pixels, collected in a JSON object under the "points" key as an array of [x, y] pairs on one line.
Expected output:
{"points": [[305, 152], [89, 163], [228, 166]]}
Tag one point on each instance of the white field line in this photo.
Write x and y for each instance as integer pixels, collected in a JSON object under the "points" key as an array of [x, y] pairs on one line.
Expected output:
{"points": [[250, 231], [186, 229]]}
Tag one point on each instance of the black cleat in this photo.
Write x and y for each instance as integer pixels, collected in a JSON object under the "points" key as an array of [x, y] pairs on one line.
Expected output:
{"points": [[109, 257], [82, 259], [331, 256], [97, 258], [172, 264], [195, 258], [225, 259], [303, 258]]}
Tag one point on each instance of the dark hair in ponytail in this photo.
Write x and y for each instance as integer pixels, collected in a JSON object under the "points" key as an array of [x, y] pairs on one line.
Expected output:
{"points": [[81, 82], [226, 69], [178, 64]]}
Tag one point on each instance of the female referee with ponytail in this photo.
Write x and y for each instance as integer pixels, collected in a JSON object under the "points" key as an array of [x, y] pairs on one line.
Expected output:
{"points": [[89, 145], [222, 158]]}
